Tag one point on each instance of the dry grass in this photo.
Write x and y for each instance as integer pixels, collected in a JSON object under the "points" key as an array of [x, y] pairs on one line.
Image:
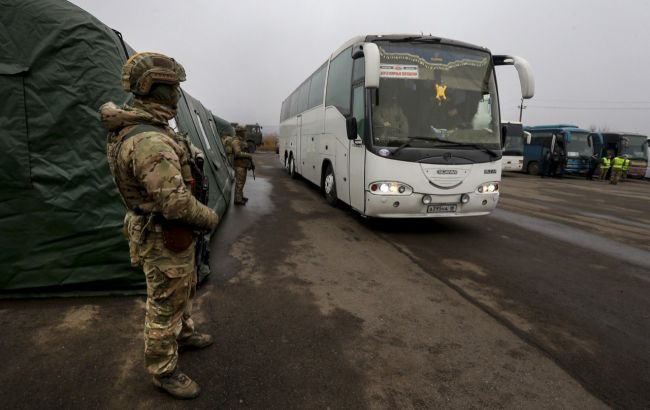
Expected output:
{"points": [[268, 143]]}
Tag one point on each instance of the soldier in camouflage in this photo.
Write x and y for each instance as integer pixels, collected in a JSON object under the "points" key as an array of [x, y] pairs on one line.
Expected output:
{"points": [[154, 170], [243, 161], [226, 140]]}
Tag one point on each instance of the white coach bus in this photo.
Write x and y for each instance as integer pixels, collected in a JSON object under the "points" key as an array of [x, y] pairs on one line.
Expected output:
{"points": [[401, 126]]}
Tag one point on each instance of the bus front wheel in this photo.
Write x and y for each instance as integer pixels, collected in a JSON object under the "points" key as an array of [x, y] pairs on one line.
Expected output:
{"points": [[533, 168], [329, 186]]}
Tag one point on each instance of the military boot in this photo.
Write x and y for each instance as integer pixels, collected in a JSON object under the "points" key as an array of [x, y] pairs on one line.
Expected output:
{"points": [[245, 199], [195, 341], [242, 202], [178, 385]]}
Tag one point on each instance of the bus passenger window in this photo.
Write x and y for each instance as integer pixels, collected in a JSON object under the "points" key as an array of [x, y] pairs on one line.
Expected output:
{"points": [[317, 87], [339, 81]]}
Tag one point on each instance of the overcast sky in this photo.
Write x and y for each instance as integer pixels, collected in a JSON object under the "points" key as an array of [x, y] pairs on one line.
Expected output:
{"points": [[591, 58]]}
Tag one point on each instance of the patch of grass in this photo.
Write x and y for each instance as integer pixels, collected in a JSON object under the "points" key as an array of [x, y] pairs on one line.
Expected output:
{"points": [[269, 142]]}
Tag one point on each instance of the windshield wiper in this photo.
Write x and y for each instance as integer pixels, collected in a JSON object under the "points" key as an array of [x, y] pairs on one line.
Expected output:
{"points": [[414, 39], [492, 153], [408, 143], [465, 144]]}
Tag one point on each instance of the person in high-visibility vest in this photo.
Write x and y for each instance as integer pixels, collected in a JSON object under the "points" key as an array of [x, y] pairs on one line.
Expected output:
{"points": [[617, 169], [605, 163], [626, 166]]}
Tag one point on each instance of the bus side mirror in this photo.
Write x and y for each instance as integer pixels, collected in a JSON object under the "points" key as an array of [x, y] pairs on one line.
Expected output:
{"points": [[529, 137], [526, 78], [371, 55], [351, 127]]}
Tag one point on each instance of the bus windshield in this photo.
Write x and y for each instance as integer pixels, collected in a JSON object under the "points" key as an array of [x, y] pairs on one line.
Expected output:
{"points": [[437, 92], [634, 146], [514, 145], [579, 145]]}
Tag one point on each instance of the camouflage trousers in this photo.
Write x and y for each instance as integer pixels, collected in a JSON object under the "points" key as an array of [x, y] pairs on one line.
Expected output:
{"points": [[171, 285], [603, 172], [616, 176], [240, 180]]}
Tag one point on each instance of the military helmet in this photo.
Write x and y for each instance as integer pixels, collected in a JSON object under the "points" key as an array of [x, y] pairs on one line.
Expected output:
{"points": [[143, 70], [240, 130]]}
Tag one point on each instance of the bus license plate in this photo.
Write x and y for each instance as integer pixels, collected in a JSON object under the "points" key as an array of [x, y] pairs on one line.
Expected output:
{"points": [[438, 208]]}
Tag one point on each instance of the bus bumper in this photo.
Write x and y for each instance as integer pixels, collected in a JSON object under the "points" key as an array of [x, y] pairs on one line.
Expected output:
{"points": [[411, 206], [576, 166]]}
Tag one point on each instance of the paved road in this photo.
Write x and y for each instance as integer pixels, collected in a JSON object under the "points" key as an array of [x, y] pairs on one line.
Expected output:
{"points": [[541, 305], [565, 265]]}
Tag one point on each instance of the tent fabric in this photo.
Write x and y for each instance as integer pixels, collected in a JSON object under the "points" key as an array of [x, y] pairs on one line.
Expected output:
{"points": [[60, 214], [223, 126]]}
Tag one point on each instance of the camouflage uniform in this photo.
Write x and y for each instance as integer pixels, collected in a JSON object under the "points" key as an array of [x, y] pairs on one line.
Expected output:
{"points": [[227, 140], [152, 171], [243, 161]]}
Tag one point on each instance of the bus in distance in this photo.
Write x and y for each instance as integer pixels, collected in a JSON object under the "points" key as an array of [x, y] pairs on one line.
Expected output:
{"points": [[401, 126], [513, 148], [573, 145], [635, 146]]}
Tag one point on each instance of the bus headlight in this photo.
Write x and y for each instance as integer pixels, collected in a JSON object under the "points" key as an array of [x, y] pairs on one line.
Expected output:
{"points": [[464, 198], [427, 199], [390, 188], [488, 188]]}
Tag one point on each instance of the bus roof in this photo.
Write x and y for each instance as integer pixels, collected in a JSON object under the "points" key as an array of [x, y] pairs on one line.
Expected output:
{"points": [[396, 37], [618, 133], [553, 126]]}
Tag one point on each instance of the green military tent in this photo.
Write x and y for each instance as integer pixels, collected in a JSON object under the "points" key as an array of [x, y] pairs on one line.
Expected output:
{"points": [[60, 214]]}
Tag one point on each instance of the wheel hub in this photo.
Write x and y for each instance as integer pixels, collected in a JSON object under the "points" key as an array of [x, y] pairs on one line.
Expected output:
{"points": [[329, 183]]}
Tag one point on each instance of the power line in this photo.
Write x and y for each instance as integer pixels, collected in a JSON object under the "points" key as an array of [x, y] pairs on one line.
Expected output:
{"points": [[594, 101], [555, 107]]}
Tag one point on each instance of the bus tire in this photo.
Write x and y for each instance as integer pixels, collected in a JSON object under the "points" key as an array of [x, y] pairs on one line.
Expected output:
{"points": [[533, 168], [329, 186], [292, 168]]}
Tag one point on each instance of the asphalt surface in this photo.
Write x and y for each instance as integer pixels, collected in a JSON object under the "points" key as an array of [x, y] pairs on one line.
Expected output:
{"points": [[543, 304]]}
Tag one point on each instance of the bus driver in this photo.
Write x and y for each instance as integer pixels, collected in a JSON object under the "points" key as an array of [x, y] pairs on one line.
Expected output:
{"points": [[388, 120]]}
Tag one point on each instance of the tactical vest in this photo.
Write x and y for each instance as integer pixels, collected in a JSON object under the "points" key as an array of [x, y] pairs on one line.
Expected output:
{"points": [[133, 194], [626, 165], [606, 162], [618, 163]]}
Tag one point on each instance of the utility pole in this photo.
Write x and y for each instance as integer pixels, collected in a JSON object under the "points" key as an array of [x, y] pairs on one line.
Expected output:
{"points": [[521, 107]]}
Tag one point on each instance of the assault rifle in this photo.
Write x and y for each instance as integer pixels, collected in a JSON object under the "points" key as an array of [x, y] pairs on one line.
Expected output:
{"points": [[201, 193]]}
